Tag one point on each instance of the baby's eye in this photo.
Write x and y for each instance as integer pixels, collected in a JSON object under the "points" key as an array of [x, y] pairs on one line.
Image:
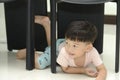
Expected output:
{"points": [[74, 46]]}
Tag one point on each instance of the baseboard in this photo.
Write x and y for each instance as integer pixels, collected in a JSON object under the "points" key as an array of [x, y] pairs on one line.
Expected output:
{"points": [[2, 40], [110, 19]]}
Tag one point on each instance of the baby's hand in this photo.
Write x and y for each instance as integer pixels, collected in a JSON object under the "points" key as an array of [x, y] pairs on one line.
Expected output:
{"points": [[91, 72]]}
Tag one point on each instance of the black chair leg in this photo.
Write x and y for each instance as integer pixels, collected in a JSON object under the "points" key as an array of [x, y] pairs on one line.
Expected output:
{"points": [[53, 36], [30, 37], [117, 37]]}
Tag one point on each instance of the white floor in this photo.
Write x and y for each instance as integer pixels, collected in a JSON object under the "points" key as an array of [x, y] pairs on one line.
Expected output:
{"points": [[13, 69]]}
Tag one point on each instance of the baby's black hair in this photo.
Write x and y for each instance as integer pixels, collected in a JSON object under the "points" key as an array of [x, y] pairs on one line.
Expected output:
{"points": [[83, 31]]}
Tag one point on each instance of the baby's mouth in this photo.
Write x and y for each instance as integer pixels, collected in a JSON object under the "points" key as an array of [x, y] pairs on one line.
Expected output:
{"points": [[71, 54]]}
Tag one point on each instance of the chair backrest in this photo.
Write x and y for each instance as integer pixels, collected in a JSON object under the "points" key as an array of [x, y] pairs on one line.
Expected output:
{"points": [[2, 1], [85, 1], [69, 12]]}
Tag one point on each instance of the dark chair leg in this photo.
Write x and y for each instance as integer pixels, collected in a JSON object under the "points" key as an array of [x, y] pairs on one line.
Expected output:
{"points": [[117, 37], [30, 37], [53, 36]]}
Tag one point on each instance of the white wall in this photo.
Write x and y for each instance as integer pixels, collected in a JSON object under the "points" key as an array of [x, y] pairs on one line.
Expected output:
{"points": [[2, 24], [110, 8]]}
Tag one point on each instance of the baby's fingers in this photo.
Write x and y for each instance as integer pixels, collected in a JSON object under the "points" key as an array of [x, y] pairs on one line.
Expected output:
{"points": [[93, 74]]}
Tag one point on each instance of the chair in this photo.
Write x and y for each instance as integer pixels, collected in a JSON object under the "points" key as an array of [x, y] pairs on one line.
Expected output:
{"points": [[30, 29], [67, 12], [19, 16], [80, 2], [29, 61], [3, 1]]}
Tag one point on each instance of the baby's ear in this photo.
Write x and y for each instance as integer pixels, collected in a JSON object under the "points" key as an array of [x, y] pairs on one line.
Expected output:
{"points": [[89, 47]]}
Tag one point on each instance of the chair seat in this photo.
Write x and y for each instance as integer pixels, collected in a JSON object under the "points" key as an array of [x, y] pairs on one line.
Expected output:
{"points": [[2, 1], [85, 1]]}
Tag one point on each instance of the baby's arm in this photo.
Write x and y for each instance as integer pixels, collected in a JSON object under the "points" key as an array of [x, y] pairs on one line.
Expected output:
{"points": [[73, 70], [80, 70], [102, 72]]}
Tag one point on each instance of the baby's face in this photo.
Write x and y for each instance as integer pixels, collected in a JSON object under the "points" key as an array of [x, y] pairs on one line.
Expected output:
{"points": [[75, 48]]}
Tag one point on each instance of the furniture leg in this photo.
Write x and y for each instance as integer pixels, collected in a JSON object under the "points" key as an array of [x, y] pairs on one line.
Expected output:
{"points": [[53, 36], [30, 37], [117, 37]]}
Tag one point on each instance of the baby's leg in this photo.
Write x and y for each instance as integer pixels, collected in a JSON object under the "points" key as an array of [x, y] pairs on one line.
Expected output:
{"points": [[42, 61], [45, 21], [36, 61], [21, 54]]}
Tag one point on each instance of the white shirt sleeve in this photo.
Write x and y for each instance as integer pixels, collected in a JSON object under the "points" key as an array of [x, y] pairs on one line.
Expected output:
{"points": [[62, 59], [96, 59]]}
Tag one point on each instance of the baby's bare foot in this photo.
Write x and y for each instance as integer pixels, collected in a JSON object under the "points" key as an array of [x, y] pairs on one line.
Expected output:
{"points": [[43, 20], [21, 54]]}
